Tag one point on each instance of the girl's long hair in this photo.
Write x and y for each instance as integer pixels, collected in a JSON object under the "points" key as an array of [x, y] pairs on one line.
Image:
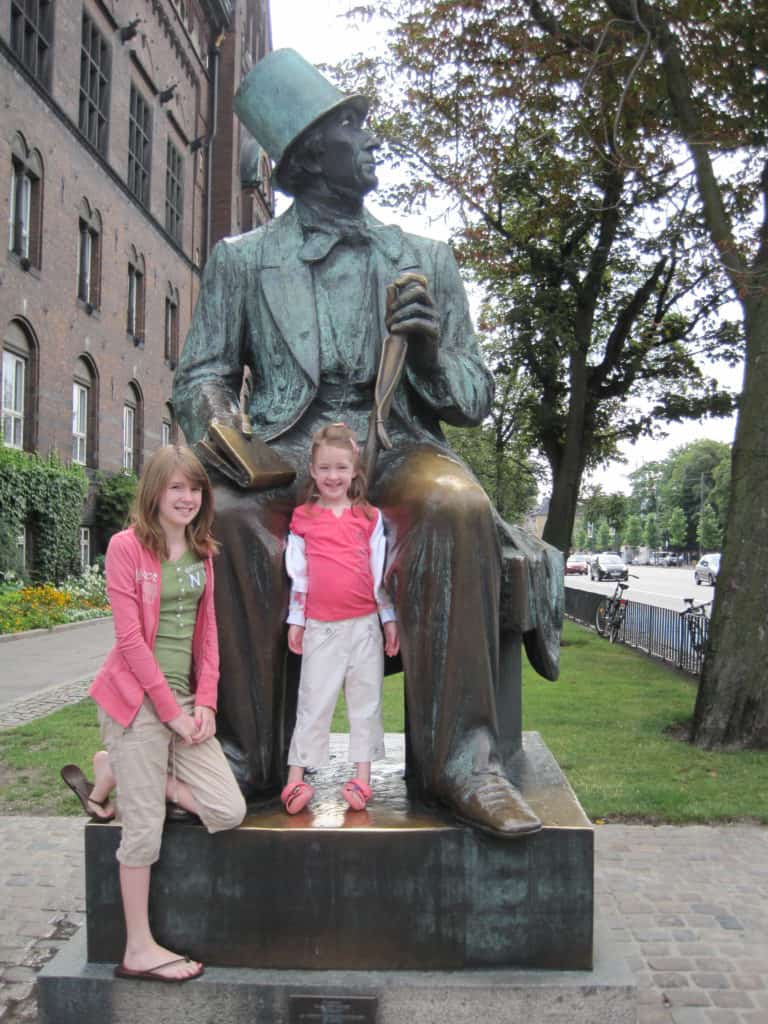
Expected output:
{"points": [[338, 435], [155, 477]]}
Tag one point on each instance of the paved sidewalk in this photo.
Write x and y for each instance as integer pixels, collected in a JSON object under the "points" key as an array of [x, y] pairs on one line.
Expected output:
{"points": [[687, 908]]}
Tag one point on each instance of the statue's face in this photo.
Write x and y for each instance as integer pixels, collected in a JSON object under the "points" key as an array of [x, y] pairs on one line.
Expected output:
{"points": [[347, 160]]}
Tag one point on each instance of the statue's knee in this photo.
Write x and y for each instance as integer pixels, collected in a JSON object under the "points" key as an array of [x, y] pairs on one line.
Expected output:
{"points": [[458, 501]]}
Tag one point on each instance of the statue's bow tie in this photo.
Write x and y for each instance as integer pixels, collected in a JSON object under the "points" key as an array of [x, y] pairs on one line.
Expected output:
{"points": [[320, 240]]}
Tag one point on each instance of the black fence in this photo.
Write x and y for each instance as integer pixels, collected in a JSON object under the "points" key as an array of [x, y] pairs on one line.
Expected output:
{"points": [[661, 632]]}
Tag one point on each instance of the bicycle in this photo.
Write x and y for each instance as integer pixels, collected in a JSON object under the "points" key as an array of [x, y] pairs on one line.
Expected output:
{"points": [[610, 613], [697, 621]]}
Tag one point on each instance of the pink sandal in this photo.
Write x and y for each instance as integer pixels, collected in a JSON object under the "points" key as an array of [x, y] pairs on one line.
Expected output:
{"points": [[295, 796], [357, 794]]}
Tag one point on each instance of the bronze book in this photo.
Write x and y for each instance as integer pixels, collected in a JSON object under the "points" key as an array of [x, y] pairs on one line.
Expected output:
{"points": [[247, 460]]}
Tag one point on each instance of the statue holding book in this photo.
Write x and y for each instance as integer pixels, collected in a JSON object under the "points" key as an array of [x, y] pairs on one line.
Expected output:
{"points": [[338, 316]]}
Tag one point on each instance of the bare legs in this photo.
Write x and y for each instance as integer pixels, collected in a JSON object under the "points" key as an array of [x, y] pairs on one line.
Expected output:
{"points": [[142, 953]]}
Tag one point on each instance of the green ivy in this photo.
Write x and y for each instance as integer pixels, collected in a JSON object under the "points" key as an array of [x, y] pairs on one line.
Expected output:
{"points": [[114, 495], [46, 497]]}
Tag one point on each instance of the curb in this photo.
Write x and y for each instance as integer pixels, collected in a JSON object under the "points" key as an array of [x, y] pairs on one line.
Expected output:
{"points": [[62, 627]]}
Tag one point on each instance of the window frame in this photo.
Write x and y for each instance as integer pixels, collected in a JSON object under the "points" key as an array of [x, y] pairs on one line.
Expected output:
{"points": [[15, 414], [139, 147], [31, 36], [174, 191], [95, 85], [80, 417], [25, 206], [89, 257], [136, 308]]}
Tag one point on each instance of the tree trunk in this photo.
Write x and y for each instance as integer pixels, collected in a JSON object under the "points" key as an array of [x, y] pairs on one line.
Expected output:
{"points": [[732, 704]]}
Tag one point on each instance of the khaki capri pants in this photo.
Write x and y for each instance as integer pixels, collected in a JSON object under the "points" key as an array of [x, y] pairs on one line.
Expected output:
{"points": [[142, 756], [349, 652]]}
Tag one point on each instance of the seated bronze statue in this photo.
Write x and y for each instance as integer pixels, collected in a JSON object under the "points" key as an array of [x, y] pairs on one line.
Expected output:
{"points": [[301, 303]]}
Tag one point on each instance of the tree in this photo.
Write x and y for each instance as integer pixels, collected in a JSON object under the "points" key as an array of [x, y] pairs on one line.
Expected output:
{"points": [[604, 536], [651, 531], [677, 528], [633, 533], [709, 533], [710, 59], [687, 477], [577, 222], [580, 539]]}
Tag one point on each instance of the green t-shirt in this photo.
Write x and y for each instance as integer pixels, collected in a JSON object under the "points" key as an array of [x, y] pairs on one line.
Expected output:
{"points": [[183, 582]]}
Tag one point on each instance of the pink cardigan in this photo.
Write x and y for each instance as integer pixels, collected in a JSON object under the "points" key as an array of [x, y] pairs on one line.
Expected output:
{"points": [[130, 671]]}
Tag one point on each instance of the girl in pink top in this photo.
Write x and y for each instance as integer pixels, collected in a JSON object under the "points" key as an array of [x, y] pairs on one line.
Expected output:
{"points": [[156, 693], [335, 558]]}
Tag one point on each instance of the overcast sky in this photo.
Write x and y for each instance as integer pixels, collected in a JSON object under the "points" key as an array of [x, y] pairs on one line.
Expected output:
{"points": [[318, 30]]}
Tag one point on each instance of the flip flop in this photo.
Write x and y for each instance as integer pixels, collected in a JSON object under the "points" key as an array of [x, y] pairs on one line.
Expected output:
{"points": [[82, 789], [121, 971], [295, 796], [357, 794]]}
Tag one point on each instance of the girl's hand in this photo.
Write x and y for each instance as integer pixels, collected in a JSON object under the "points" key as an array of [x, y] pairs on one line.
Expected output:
{"points": [[391, 639], [296, 639], [205, 724], [184, 725]]}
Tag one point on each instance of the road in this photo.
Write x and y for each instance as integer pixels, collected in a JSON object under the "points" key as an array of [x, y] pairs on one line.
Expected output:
{"points": [[654, 585]]}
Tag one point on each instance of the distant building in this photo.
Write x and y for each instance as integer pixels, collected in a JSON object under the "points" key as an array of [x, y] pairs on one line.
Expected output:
{"points": [[120, 165]]}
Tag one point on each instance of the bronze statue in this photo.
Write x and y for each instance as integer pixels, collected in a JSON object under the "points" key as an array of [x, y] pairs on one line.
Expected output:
{"points": [[301, 302]]}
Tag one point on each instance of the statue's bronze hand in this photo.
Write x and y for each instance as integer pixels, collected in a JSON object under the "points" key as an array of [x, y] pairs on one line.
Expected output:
{"points": [[411, 313]]}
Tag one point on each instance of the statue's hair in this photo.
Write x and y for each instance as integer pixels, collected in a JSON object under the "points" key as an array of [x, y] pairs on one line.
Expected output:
{"points": [[338, 435], [155, 477], [292, 174]]}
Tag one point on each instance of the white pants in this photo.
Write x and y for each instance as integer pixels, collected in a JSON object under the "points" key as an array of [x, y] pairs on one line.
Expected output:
{"points": [[349, 653]]}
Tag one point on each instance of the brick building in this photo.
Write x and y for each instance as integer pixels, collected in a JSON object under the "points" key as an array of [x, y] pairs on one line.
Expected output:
{"points": [[120, 165]]}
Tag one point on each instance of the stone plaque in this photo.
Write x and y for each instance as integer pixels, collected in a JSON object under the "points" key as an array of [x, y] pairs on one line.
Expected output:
{"points": [[332, 1009]]}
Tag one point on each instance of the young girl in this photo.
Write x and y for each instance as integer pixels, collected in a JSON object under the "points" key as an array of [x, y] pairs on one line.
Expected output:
{"points": [[335, 558], [156, 692]]}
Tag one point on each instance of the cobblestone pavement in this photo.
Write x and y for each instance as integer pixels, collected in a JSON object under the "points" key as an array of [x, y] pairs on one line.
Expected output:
{"points": [[687, 908]]}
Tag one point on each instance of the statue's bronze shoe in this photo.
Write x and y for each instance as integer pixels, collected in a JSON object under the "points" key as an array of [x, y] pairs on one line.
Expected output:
{"points": [[487, 800]]}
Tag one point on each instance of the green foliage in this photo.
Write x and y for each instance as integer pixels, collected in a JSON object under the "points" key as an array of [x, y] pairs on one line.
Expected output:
{"points": [[651, 531], [709, 532], [551, 136], [633, 533], [580, 539], [45, 497], [114, 495], [677, 528], [603, 536]]}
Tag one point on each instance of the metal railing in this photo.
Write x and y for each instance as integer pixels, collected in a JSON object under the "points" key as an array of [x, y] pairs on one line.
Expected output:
{"points": [[661, 632]]}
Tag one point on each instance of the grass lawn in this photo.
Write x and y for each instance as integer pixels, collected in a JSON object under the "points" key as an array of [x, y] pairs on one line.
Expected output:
{"points": [[610, 720]]}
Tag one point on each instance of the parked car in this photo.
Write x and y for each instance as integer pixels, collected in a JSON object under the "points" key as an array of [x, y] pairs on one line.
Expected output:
{"points": [[707, 568], [607, 566], [666, 558], [577, 565]]}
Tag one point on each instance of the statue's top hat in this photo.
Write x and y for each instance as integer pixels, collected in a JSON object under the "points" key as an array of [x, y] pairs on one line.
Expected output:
{"points": [[282, 96]]}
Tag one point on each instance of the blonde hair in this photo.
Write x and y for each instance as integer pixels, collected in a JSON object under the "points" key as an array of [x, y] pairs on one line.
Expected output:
{"points": [[338, 435], [155, 477]]}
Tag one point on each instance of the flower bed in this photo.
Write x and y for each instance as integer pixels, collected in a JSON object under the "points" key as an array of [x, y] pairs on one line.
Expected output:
{"points": [[42, 606]]}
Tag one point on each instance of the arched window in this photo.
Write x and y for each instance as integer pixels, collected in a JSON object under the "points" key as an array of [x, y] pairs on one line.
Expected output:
{"points": [[89, 256], [171, 342], [84, 412], [25, 220], [19, 387], [136, 297], [133, 429], [169, 430]]}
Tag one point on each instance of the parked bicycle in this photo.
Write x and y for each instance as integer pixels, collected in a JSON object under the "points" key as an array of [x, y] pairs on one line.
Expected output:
{"points": [[610, 614], [697, 621]]}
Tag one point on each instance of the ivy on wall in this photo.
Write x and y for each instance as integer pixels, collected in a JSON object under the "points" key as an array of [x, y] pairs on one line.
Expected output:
{"points": [[114, 497], [46, 497]]}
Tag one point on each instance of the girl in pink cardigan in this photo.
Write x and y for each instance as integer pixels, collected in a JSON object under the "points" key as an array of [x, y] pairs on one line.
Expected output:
{"points": [[156, 693]]}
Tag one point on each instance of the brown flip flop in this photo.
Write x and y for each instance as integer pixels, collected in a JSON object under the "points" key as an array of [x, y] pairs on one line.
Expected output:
{"points": [[121, 971], [82, 789]]}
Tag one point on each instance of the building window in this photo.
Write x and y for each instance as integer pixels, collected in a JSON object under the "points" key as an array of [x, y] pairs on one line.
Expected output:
{"points": [[171, 342], [79, 423], [132, 440], [14, 389], [32, 36], [169, 430], [89, 257], [84, 414], [174, 192], [139, 146], [21, 551], [165, 433], [136, 298], [93, 117], [17, 388], [25, 208], [85, 547]]}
